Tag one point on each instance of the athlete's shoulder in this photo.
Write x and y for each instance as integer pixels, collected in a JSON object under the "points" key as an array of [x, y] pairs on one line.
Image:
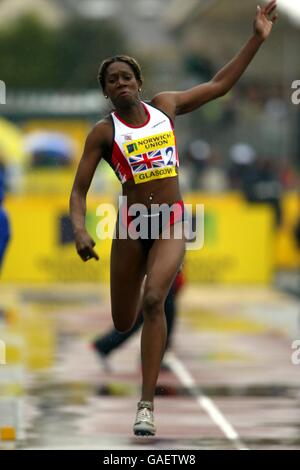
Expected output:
{"points": [[103, 124], [102, 131], [165, 103]]}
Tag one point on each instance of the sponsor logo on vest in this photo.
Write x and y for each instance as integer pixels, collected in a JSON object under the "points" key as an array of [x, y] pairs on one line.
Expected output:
{"points": [[164, 171], [155, 174], [158, 141], [131, 148], [158, 124]]}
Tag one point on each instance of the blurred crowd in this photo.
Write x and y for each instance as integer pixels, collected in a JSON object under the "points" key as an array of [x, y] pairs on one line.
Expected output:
{"points": [[245, 142]]}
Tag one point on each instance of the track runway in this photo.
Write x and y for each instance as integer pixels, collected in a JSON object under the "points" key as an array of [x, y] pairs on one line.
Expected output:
{"points": [[228, 383]]}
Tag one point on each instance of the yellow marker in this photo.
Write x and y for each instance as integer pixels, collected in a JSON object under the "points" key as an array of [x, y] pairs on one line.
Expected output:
{"points": [[7, 433]]}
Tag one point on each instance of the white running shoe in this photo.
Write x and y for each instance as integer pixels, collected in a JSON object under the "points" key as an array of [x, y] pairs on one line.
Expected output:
{"points": [[144, 422]]}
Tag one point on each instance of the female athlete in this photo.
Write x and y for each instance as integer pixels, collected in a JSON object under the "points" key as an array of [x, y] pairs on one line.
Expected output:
{"points": [[137, 139]]}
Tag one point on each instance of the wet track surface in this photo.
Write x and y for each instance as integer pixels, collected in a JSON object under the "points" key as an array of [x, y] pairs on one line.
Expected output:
{"points": [[231, 355]]}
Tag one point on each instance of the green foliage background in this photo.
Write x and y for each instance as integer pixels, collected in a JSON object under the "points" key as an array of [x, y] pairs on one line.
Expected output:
{"points": [[34, 56]]}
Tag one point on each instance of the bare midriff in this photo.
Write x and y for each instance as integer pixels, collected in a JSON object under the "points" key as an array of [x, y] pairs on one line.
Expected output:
{"points": [[153, 192]]}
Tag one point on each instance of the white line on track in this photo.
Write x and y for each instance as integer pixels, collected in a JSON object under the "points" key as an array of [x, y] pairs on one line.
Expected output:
{"points": [[206, 403]]}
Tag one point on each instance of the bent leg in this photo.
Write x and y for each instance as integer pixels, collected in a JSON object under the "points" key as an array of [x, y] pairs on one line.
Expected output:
{"points": [[127, 272], [111, 340], [164, 260]]}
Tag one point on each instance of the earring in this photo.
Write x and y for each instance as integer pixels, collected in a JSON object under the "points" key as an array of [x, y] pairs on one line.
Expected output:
{"points": [[106, 97], [140, 89]]}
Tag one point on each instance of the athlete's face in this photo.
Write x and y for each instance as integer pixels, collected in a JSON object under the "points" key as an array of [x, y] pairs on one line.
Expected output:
{"points": [[120, 83]]}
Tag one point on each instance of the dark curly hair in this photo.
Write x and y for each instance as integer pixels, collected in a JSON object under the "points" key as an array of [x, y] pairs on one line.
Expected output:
{"points": [[118, 58]]}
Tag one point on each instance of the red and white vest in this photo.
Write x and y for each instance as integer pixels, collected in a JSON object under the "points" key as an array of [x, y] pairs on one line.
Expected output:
{"points": [[146, 152]]}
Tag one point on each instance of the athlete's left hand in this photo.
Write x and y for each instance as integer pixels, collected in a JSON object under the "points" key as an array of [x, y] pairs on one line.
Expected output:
{"points": [[265, 19]]}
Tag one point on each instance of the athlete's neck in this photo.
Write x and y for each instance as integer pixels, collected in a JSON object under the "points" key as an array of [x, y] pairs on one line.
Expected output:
{"points": [[133, 113]]}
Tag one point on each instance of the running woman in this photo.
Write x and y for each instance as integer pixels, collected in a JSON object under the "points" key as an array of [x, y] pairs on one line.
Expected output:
{"points": [[137, 139]]}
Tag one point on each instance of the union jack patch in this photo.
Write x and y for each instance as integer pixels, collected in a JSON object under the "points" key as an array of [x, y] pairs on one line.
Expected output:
{"points": [[146, 161]]}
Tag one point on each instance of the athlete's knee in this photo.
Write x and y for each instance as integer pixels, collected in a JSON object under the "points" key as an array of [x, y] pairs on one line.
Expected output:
{"points": [[121, 326], [122, 322], [153, 303]]}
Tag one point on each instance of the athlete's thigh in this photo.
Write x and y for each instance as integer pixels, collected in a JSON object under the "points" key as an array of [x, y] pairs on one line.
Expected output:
{"points": [[164, 261], [127, 271]]}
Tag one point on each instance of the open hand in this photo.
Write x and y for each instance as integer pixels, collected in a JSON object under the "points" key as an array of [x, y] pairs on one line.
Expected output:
{"points": [[264, 20]]}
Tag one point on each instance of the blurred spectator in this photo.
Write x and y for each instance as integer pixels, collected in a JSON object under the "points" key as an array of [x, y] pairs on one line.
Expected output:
{"points": [[4, 222], [197, 154], [229, 117], [275, 123], [297, 233], [276, 108], [287, 174], [213, 178], [252, 101], [262, 186], [256, 178], [297, 225], [242, 157]]}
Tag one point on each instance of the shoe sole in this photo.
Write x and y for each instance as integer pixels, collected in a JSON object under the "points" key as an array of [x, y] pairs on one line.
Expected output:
{"points": [[143, 432]]}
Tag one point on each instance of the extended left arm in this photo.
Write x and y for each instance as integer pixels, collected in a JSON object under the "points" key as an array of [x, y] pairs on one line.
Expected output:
{"points": [[189, 100]]}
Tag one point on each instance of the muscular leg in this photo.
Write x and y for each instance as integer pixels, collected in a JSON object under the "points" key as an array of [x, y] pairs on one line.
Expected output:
{"points": [[127, 271], [111, 340], [164, 260]]}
